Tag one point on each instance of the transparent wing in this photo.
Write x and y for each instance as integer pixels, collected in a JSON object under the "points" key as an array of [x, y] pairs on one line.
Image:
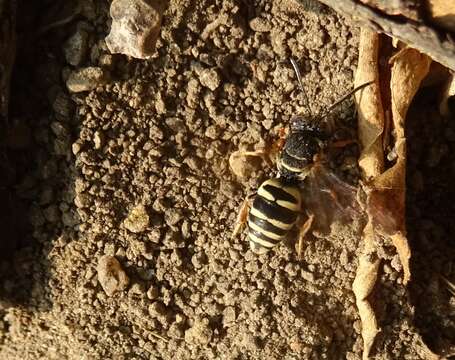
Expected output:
{"points": [[329, 199], [386, 210]]}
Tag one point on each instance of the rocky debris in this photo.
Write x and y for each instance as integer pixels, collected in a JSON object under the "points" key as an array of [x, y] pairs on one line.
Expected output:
{"points": [[243, 166], [153, 292], [135, 27], [137, 220], [228, 316], [63, 106], [260, 25], [76, 47], [111, 275], [98, 140], [86, 79], [210, 78], [200, 333]]}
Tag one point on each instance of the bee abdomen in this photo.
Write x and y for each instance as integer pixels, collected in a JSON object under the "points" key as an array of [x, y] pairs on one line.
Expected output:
{"points": [[272, 215]]}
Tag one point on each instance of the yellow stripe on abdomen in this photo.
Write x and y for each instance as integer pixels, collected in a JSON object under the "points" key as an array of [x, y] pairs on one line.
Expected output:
{"points": [[277, 223]]}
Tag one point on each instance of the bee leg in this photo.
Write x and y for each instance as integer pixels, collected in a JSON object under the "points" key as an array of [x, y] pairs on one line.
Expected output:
{"points": [[302, 233], [278, 145], [269, 154], [242, 215], [259, 153]]}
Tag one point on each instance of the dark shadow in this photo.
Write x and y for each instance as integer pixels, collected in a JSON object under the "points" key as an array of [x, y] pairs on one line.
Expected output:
{"points": [[430, 207], [33, 176]]}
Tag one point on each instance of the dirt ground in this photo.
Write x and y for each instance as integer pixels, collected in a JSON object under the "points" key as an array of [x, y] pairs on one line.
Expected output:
{"points": [[157, 137]]}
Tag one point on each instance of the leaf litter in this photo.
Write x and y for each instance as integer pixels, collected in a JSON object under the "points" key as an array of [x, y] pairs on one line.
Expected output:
{"points": [[383, 166]]}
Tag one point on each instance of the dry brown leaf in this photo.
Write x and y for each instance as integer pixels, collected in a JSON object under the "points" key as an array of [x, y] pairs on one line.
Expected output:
{"points": [[404, 252], [392, 8], [371, 129], [409, 68], [386, 201], [408, 71], [363, 284], [369, 106], [386, 189]]}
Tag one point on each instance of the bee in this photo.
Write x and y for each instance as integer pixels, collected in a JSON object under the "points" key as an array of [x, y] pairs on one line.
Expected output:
{"points": [[275, 208]]}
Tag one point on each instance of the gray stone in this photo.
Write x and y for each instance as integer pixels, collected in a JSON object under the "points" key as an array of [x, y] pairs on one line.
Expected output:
{"points": [[76, 47]]}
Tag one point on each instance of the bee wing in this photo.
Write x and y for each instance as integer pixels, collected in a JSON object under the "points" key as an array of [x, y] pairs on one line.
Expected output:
{"points": [[386, 210], [329, 199]]}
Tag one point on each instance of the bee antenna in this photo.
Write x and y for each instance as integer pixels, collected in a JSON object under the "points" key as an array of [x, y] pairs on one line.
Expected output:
{"points": [[348, 95], [299, 79]]}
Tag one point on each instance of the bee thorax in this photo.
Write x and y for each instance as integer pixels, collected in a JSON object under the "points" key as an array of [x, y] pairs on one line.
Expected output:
{"points": [[298, 152]]}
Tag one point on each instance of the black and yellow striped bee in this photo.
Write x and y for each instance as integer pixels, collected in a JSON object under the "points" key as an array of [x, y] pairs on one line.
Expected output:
{"points": [[278, 202]]}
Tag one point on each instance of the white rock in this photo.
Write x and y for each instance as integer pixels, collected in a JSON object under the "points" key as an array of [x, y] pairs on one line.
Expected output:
{"points": [[135, 27]]}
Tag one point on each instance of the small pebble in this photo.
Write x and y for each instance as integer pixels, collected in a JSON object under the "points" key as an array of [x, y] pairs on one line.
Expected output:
{"points": [[198, 260], [308, 276], [137, 220], [210, 78], [242, 166], [228, 316], [200, 333], [86, 79], [111, 275], [153, 292], [172, 216], [75, 48], [260, 25], [98, 140]]}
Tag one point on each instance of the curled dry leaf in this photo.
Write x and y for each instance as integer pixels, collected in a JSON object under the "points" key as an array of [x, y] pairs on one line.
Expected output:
{"points": [[369, 106], [385, 188], [365, 279], [371, 127], [409, 68], [402, 8], [386, 192]]}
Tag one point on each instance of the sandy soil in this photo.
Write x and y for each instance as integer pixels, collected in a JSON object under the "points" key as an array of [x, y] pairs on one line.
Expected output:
{"points": [[157, 137]]}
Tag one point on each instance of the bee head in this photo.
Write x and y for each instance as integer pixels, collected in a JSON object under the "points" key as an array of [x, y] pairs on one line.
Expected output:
{"points": [[300, 123]]}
